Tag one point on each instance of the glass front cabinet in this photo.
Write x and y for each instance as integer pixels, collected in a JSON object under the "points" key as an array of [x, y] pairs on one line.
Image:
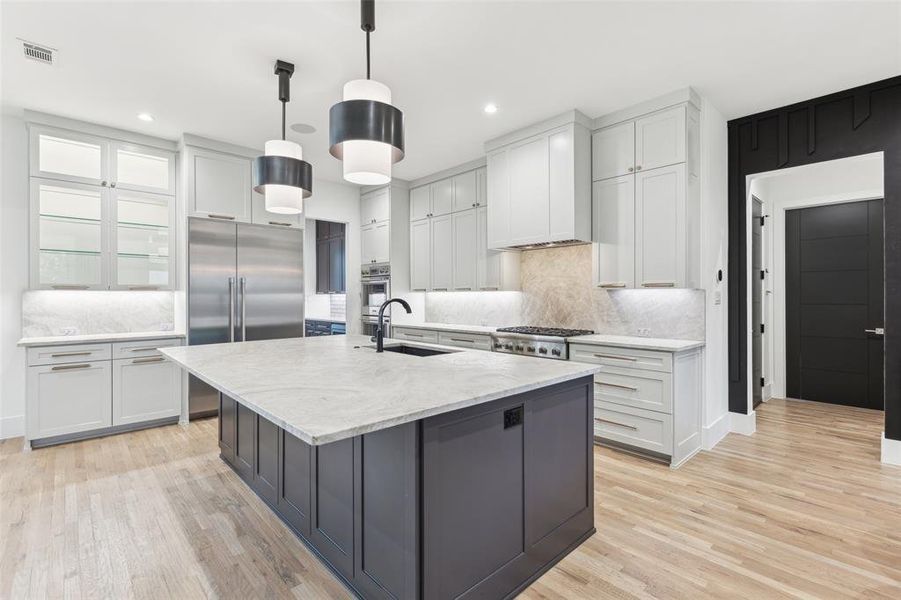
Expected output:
{"points": [[102, 213]]}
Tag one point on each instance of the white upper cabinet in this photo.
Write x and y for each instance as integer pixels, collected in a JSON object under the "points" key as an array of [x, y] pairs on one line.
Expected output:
{"points": [[374, 242], [375, 207], [482, 187], [660, 139], [442, 197], [142, 169], [143, 240], [613, 151], [660, 217], [465, 191], [613, 211], [539, 184], [420, 202], [68, 155], [442, 253], [218, 185], [465, 249], [420, 254]]}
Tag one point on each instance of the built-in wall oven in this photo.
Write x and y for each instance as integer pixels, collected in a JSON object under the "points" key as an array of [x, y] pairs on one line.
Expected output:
{"points": [[375, 288]]}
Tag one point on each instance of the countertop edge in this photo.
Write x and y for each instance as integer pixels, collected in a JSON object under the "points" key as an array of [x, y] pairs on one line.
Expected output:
{"points": [[326, 438], [475, 329], [674, 345], [96, 338]]}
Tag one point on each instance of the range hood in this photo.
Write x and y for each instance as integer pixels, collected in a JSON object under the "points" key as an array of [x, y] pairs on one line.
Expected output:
{"points": [[539, 184]]}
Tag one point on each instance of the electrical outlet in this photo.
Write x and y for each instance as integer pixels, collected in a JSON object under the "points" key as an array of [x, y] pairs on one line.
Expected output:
{"points": [[70, 330], [166, 326], [644, 332]]}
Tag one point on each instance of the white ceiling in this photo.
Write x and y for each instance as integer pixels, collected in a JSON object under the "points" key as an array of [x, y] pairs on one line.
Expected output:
{"points": [[206, 68]]}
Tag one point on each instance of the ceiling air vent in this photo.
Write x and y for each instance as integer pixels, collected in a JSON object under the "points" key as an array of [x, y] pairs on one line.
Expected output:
{"points": [[42, 54]]}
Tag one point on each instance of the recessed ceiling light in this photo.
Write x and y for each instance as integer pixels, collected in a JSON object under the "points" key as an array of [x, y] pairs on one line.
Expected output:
{"points": [[490, 108], [303, 128], [147, 117]]}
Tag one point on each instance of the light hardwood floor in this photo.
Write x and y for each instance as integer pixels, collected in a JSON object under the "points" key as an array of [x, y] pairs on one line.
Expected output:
{"points": [[802, 509]]}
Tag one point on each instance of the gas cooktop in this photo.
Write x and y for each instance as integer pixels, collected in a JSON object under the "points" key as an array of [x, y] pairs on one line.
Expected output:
{"points": [[547, 331], [543, 342]]}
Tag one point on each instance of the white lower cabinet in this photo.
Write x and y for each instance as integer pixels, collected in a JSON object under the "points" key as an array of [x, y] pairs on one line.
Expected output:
{"points": [[145, 389], [80, 390], [646, 400], [68, 398]]}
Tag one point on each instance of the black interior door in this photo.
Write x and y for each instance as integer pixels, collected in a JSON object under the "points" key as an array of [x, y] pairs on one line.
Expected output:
{"points": [[835, 303], [757, 278]]}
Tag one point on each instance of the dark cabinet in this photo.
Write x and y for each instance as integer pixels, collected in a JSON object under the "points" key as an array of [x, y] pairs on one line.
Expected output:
{"points": [[294, 482], [265, 471], [245, 426], [227, 422], [330, 258]]}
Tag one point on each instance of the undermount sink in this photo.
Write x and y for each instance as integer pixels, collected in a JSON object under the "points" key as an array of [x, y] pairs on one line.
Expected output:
{"points": [[415, 350]]}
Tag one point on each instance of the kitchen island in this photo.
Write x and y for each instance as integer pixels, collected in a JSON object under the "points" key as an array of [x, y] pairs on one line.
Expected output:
{"points": [[420, 472]]}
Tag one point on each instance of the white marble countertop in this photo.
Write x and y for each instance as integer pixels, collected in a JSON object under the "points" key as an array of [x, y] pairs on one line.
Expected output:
{"points": [[448, 327], [628, 341], [62, 340], [328, 388]]}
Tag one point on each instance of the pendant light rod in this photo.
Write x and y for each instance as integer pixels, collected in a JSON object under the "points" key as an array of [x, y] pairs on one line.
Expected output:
{"points": [[367, 24], [284, 70]]}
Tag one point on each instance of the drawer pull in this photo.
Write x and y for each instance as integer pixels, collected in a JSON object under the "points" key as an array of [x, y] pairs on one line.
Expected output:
{"points": [[439, 289], [64, 354], [280, 223], [658, 284], [632, 427], [70, 367], [616, 385], [69, 287], [614, 357], [407, 333], [489, 287], [142, 349], [138, 361], [462, 340], [218, 216], [143, 287], [612, 285]]}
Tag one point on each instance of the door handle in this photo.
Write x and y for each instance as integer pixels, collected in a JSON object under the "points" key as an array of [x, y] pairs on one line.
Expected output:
{"points": [[231, 309], [243, 309], [877, 331]]}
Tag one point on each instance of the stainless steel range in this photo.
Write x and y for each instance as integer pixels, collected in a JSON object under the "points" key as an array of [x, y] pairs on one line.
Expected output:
{"points": [[543, 342]]}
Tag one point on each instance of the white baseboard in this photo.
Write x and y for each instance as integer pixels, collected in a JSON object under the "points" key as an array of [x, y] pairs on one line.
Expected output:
{"points": [[891, 451], [716, 431], [743, 424], [11, 427]]}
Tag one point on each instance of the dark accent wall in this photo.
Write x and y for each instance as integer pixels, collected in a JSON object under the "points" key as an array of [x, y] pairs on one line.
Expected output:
{"points": [[849, 123]]}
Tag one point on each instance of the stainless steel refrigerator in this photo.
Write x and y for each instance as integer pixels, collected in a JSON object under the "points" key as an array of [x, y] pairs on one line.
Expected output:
{"points": [[245, 282]]}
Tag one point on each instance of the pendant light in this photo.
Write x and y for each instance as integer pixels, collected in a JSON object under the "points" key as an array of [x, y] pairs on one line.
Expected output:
{"points": [[282, 175], [365, 131]]}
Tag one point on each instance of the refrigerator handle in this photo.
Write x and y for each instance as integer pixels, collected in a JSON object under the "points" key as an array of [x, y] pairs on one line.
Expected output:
{"points": [[243, 309], [231, 309]]}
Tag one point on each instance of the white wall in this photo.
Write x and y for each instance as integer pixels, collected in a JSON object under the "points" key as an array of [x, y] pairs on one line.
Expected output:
{"points": [[829, 182], [714, 246], [13, 272], [339, 203]]}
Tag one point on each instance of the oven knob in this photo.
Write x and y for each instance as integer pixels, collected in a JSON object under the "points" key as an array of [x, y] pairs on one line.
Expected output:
{"points": [[519, 348], [508, 346], [498, 345], [542, 351], [555, 351], [531, 348]]}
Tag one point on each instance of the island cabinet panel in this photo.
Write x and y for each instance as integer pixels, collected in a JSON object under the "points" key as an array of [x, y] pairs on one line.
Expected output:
{"points": [[227, 421], [265, 470], [332, 525], [506, 491], [245, 424], [294, 482]]}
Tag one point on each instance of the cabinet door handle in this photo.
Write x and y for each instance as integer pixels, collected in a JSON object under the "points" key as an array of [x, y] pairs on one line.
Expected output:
{"points": [[218, 216], [612, 285], [439, 289], [143, 287], [70, 367], [613, 356], [139, 361], [142, 349], [631, 169], [658, 284], [280, 223], [462, 340], [104, 183], [407, 333], [616, 385], [69, 287], [877, 331], [638, 168], [64, 354], [112, 184], [488, 287], [468, 289], [632, 427]]}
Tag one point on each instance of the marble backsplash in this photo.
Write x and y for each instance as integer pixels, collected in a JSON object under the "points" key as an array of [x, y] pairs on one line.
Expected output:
{"points": [[557, 291], [58, 312]]}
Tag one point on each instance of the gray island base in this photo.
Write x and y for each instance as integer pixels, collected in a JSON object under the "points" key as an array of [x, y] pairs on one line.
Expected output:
{"points": [[473, 502]]}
